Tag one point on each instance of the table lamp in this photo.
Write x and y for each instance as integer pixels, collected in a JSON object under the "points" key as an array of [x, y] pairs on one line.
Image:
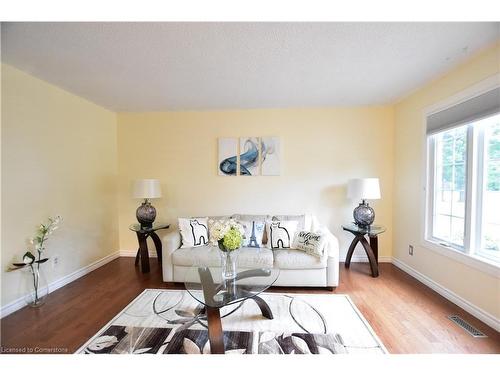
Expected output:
{"points": [[363, 188], [146, 189]]}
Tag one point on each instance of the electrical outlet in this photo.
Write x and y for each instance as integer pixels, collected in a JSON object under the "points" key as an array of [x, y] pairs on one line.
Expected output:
{"points": [[410, 250], [55, 261]]}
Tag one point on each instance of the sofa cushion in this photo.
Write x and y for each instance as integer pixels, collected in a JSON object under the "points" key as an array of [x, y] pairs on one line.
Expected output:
{"points": [[221, 217], [254, 233], [244, 217], [280, 234], [303, 220], [209, 256], [194, 231], [251, 217], [311, 243], [212, 222], [297, 259]]}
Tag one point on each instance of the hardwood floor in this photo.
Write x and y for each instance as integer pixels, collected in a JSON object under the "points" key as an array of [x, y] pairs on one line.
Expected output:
{"points": [[406, 315]]}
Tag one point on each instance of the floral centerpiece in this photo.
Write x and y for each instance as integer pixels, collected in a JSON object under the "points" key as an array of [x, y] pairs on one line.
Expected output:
{"points": [[228, 236], [33, 261]]}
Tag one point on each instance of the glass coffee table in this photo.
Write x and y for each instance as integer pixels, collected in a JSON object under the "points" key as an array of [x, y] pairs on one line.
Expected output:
{"points": [[214, 295]]}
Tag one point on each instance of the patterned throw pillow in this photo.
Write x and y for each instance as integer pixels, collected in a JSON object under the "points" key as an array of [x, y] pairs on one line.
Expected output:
{"points": [[254, 233], [300, 219], [280, 234], [194, 231], [311, 243], [211, 223], [248, 217]]}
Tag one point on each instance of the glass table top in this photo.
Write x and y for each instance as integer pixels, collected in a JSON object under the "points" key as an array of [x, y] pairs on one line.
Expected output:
{"points": [[371, 230], [204, 284], [137, 227]]}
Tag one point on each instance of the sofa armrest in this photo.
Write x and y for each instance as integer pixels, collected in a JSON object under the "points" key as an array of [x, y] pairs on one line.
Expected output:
{"points": [[332, 250], [332, 243], [170, 242]]}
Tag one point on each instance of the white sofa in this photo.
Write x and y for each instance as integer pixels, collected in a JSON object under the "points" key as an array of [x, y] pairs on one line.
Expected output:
{"points": [[296, 267]]}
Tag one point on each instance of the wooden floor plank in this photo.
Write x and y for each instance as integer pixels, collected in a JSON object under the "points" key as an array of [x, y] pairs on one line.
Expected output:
{"points": [[406, 315]]}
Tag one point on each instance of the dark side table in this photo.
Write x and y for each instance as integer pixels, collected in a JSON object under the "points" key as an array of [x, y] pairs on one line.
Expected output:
{"points": [[371, 248], [142, 236]]}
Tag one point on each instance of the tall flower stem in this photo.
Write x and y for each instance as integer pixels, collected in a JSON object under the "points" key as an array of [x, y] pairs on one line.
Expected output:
{"points": [[37, 275], [35, 283]]}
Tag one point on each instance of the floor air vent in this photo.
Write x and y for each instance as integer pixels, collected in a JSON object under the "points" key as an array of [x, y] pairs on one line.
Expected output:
{"points": [[466, 326]]}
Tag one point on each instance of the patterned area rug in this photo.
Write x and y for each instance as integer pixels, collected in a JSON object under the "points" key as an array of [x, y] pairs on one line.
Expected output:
{"points": [[169, 322]]}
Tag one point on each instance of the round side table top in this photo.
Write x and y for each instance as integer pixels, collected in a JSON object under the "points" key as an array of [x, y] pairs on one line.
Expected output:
{"points": [[137, 228], [371, 230]]}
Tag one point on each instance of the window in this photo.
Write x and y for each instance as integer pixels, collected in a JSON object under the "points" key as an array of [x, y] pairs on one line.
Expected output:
{"points": [[463, 184], [448, 217], [489, 239]]}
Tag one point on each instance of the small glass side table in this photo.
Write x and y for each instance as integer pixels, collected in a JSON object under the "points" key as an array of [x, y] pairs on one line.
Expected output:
{"points": [[371, 248], [142, 236]]}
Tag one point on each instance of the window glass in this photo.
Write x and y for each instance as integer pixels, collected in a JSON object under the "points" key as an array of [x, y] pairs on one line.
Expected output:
{"points": [[490, 210], [450, 182]]}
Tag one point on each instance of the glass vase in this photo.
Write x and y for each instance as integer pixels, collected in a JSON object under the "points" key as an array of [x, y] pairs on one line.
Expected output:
{"points": [[35, 286], [228, 264]]}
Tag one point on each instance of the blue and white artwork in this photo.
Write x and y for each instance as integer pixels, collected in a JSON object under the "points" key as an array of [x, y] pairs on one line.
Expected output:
{"points": [[270, 156], [256, 156], [228, 155], [249, 156]]}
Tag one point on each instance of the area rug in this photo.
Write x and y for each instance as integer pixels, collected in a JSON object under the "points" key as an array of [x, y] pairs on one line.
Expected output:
{"points": [[169, 322]]}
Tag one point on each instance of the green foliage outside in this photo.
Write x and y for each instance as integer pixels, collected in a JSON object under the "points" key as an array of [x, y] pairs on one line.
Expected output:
{"points": [[454, 153], [493, 183], [453, 159]]}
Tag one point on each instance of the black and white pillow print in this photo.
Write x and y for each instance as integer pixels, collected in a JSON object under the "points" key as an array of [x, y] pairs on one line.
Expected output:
{"points": [[280, 234], [194, 231], [254, 233], [311, 243]]}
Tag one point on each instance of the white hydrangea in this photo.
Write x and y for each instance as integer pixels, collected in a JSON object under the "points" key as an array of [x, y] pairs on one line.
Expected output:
{"points": [[219, 230]]}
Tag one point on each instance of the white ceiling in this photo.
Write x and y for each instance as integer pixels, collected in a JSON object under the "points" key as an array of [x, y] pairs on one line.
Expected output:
{"points": [[189, 66]]}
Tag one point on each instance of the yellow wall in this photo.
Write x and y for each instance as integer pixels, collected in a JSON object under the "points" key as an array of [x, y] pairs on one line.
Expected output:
{"points": [[475, 286], [59, 156], [321, 150]]}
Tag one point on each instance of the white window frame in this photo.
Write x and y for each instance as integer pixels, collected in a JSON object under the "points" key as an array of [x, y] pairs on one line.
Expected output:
{"points": [[471, 242], [482, 171], [431, 150]]}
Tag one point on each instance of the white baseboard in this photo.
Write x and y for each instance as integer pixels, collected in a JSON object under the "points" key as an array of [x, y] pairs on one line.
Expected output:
{"points": [[133, 253], [472, 309], [53, 286]]}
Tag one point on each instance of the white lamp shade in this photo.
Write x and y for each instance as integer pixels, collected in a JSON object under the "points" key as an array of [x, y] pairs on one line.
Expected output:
{"points": [[363, 188], [146, 188]]}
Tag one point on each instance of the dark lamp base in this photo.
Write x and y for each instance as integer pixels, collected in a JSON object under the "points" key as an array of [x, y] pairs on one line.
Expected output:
{"points": [[146, 214], [363, 215]]}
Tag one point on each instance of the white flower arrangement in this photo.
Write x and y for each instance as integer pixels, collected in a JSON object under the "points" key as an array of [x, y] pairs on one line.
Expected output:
{"points": [[220, 229], [44, 231], [230, 230], [32, 261]]}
